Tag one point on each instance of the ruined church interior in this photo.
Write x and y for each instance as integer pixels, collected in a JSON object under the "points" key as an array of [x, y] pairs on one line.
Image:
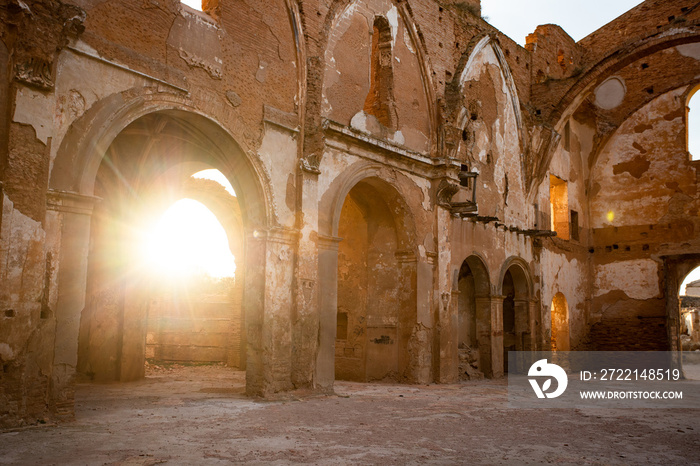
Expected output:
{"points": [[318, 231]]}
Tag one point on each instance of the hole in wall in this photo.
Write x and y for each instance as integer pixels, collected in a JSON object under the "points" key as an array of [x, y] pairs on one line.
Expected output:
{"points": [[693, 126], [194, 4]]}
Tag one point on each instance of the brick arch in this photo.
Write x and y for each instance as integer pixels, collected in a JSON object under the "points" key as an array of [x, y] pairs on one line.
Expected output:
{"points": [[613, 61], [381, 179], [522, 277], [481, 273], [375, 192], [477, 45], [82, 150], [313, 138]]}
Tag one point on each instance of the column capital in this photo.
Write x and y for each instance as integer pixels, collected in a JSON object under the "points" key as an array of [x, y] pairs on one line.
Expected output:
{"points": [[406, 257], [66, 201], [328, 242], [288, 236]]}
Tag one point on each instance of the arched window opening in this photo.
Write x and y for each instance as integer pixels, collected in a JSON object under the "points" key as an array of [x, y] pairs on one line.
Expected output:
{"points": [[215, 175], [693, 126], [194, 4], [380, 99], [560, 323], [690, 311]]}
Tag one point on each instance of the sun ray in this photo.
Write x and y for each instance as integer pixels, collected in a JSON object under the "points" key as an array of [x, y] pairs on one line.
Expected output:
{"points": [[187, 241]]}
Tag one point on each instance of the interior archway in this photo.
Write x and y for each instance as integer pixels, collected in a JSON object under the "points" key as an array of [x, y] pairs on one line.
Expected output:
{"points": [[560, 323], [517, 331], [689, 336], [376, 311], [134, 311], [474, 317], [689, 297]]}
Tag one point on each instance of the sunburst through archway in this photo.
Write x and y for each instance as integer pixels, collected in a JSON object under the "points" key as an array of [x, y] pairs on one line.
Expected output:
{"points": [[188, 240]]}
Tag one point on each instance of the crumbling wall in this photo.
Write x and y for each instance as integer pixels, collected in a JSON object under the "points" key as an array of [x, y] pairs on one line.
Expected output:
{"points": [[197, 323], [348, 76], [643, 200], [491, 136], [564, 262]]}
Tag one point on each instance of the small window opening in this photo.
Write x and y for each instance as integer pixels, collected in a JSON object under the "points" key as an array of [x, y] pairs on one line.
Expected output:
{"points": [[693, 126], [342, 326], [567, 137], [573, 228], [559, 203], [464, 180], [380, 99], [194, 4]]}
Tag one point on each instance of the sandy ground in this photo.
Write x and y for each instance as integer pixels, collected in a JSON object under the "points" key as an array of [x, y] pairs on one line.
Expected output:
{"points": [[199, 415]]}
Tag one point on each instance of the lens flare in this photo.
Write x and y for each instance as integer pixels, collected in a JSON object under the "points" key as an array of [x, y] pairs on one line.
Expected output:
{"points": [[186, 241]]}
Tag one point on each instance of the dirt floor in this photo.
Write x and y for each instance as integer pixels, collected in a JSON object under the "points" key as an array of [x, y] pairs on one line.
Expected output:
{"points": [[199, 415]]}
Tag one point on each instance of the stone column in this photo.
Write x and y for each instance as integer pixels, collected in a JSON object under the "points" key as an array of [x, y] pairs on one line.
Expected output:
{"points": [[305, 322], [254, 307], [524, 324], [496, 321], [483, 334], [73, 212], [409, 349], [269, 303], [328, 311], [535, 316], [447, 318], [449, 343], [134, 326], [422, 337]]}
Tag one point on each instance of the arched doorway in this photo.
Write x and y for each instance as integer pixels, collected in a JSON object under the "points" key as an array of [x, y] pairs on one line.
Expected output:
{"points": [[194, 303], [376, 310], [689, 335], [474, 307], [689, 300], [560, 323], [517, 316], [169, 297]]}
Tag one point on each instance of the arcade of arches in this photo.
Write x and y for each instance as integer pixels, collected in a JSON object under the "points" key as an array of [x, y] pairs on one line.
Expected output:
{"points": [[412, 194]]}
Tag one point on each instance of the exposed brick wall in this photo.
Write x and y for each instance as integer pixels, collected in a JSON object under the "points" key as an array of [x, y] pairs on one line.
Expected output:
{"points": [[627, 334]]}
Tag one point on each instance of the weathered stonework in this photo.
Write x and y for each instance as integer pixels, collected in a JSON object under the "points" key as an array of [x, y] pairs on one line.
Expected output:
{"points": [[416, 194]]}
